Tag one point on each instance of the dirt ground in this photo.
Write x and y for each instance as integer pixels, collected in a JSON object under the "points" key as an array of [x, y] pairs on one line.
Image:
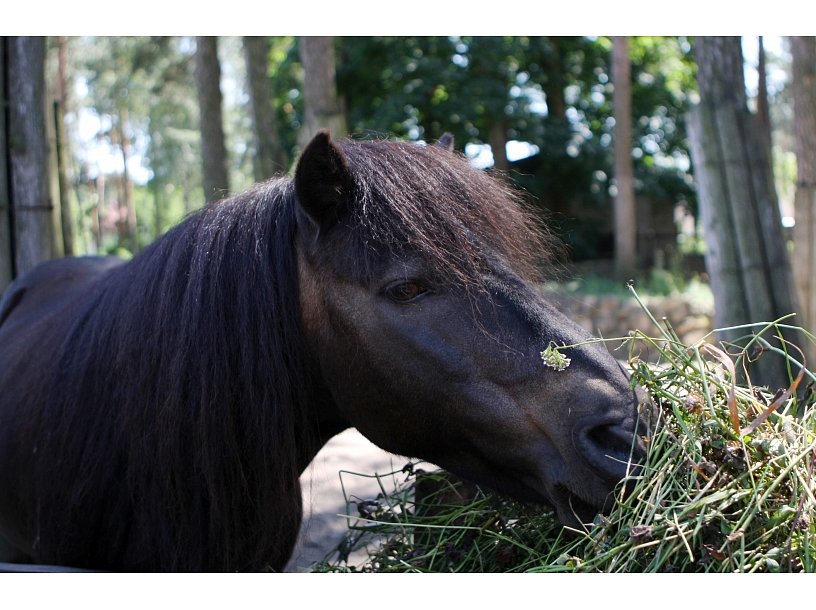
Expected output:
{"points": [[323, 497]]}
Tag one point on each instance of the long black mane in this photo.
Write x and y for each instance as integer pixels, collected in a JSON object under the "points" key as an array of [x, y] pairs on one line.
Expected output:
{"points": [[188, 368], [182, 392]]}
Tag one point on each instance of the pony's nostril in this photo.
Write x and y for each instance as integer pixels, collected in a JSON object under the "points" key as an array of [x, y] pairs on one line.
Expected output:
{"points": [[613, 448]]}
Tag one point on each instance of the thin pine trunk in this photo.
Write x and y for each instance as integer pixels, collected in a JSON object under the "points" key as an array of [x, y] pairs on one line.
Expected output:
{"points": [[270, 158], [803, 49], [121, 211], [321, 106], [62, 149], [763, 110], [554, 85], [213, 150], [98, 212], [556, 122], [497, 138], [157, 210], [625, 226], [127, 183]]}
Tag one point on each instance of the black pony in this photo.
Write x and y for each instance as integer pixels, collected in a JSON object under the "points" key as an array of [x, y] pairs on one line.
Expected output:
{"points": [[156, 414]]}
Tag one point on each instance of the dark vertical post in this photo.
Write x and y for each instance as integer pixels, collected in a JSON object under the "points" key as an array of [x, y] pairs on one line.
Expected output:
{"points": [[28, 151], [6, 228]]}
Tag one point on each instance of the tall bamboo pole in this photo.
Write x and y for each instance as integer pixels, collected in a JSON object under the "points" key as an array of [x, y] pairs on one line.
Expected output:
{"points": [[746, 256], [803, 49]]}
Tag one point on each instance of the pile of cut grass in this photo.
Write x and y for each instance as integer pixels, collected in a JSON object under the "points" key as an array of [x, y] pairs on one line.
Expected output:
{"points": [[727, 486]]}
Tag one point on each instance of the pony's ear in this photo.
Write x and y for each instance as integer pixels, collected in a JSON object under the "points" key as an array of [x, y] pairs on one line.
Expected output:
{"points": [[446, 141], [323, 181]]}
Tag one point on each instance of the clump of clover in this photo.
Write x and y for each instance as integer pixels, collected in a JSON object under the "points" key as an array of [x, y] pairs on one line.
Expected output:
{"points": [[552, 357]]}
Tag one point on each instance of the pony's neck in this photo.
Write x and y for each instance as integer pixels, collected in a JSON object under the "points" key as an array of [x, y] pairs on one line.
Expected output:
{"points": [[325, 418], [321, 431]]}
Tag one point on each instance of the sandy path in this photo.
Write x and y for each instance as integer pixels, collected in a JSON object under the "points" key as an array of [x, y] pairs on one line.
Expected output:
{"points": [[323, 498]]}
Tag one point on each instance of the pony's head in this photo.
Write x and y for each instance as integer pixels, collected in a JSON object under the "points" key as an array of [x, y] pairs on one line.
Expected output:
{"points": [[423, 314]]}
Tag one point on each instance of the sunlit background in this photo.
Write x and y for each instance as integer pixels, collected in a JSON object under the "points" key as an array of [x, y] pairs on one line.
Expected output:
{"points": [[414, 88]]}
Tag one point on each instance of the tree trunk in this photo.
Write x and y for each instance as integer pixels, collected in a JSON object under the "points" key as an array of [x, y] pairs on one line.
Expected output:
{"points": [[746, 256], [213, 150], [553, 86], [497, 138], [6, 244], [803, 49], [121, 207], [52, 167], [322, 109], [98, 212], [763, 111], [270, 158], [62, 149], [127, 183], [555, 122], [625, 227], [157, 199], [28, 153]]}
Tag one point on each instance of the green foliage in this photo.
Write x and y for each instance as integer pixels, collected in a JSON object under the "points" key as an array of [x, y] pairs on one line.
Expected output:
{"points": [[663, 282], [149, 80], [236, 120], [664, 80], [553, 92], [655, 282], [286, 78]]}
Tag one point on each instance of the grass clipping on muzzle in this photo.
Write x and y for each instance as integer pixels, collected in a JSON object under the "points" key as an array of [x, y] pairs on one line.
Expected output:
{"points": [[727, 484]]}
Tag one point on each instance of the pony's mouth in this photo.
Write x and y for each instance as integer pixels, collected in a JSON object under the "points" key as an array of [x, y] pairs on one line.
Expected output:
{"points": [[575, 505], [572, 510]]}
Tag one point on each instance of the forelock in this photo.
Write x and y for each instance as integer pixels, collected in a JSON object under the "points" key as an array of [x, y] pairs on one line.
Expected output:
{"points": [[430, 201]]}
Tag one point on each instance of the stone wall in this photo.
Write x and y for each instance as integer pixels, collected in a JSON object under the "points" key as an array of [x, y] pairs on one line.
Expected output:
{"points": [[611, 316]]}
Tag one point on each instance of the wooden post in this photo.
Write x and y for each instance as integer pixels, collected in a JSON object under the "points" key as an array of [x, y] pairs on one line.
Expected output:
{"points": [[31, 202], [6, 229]]}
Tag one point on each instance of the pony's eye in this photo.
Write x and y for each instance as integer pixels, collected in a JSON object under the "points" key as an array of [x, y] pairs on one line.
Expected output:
{"points": [[405, 291]]}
